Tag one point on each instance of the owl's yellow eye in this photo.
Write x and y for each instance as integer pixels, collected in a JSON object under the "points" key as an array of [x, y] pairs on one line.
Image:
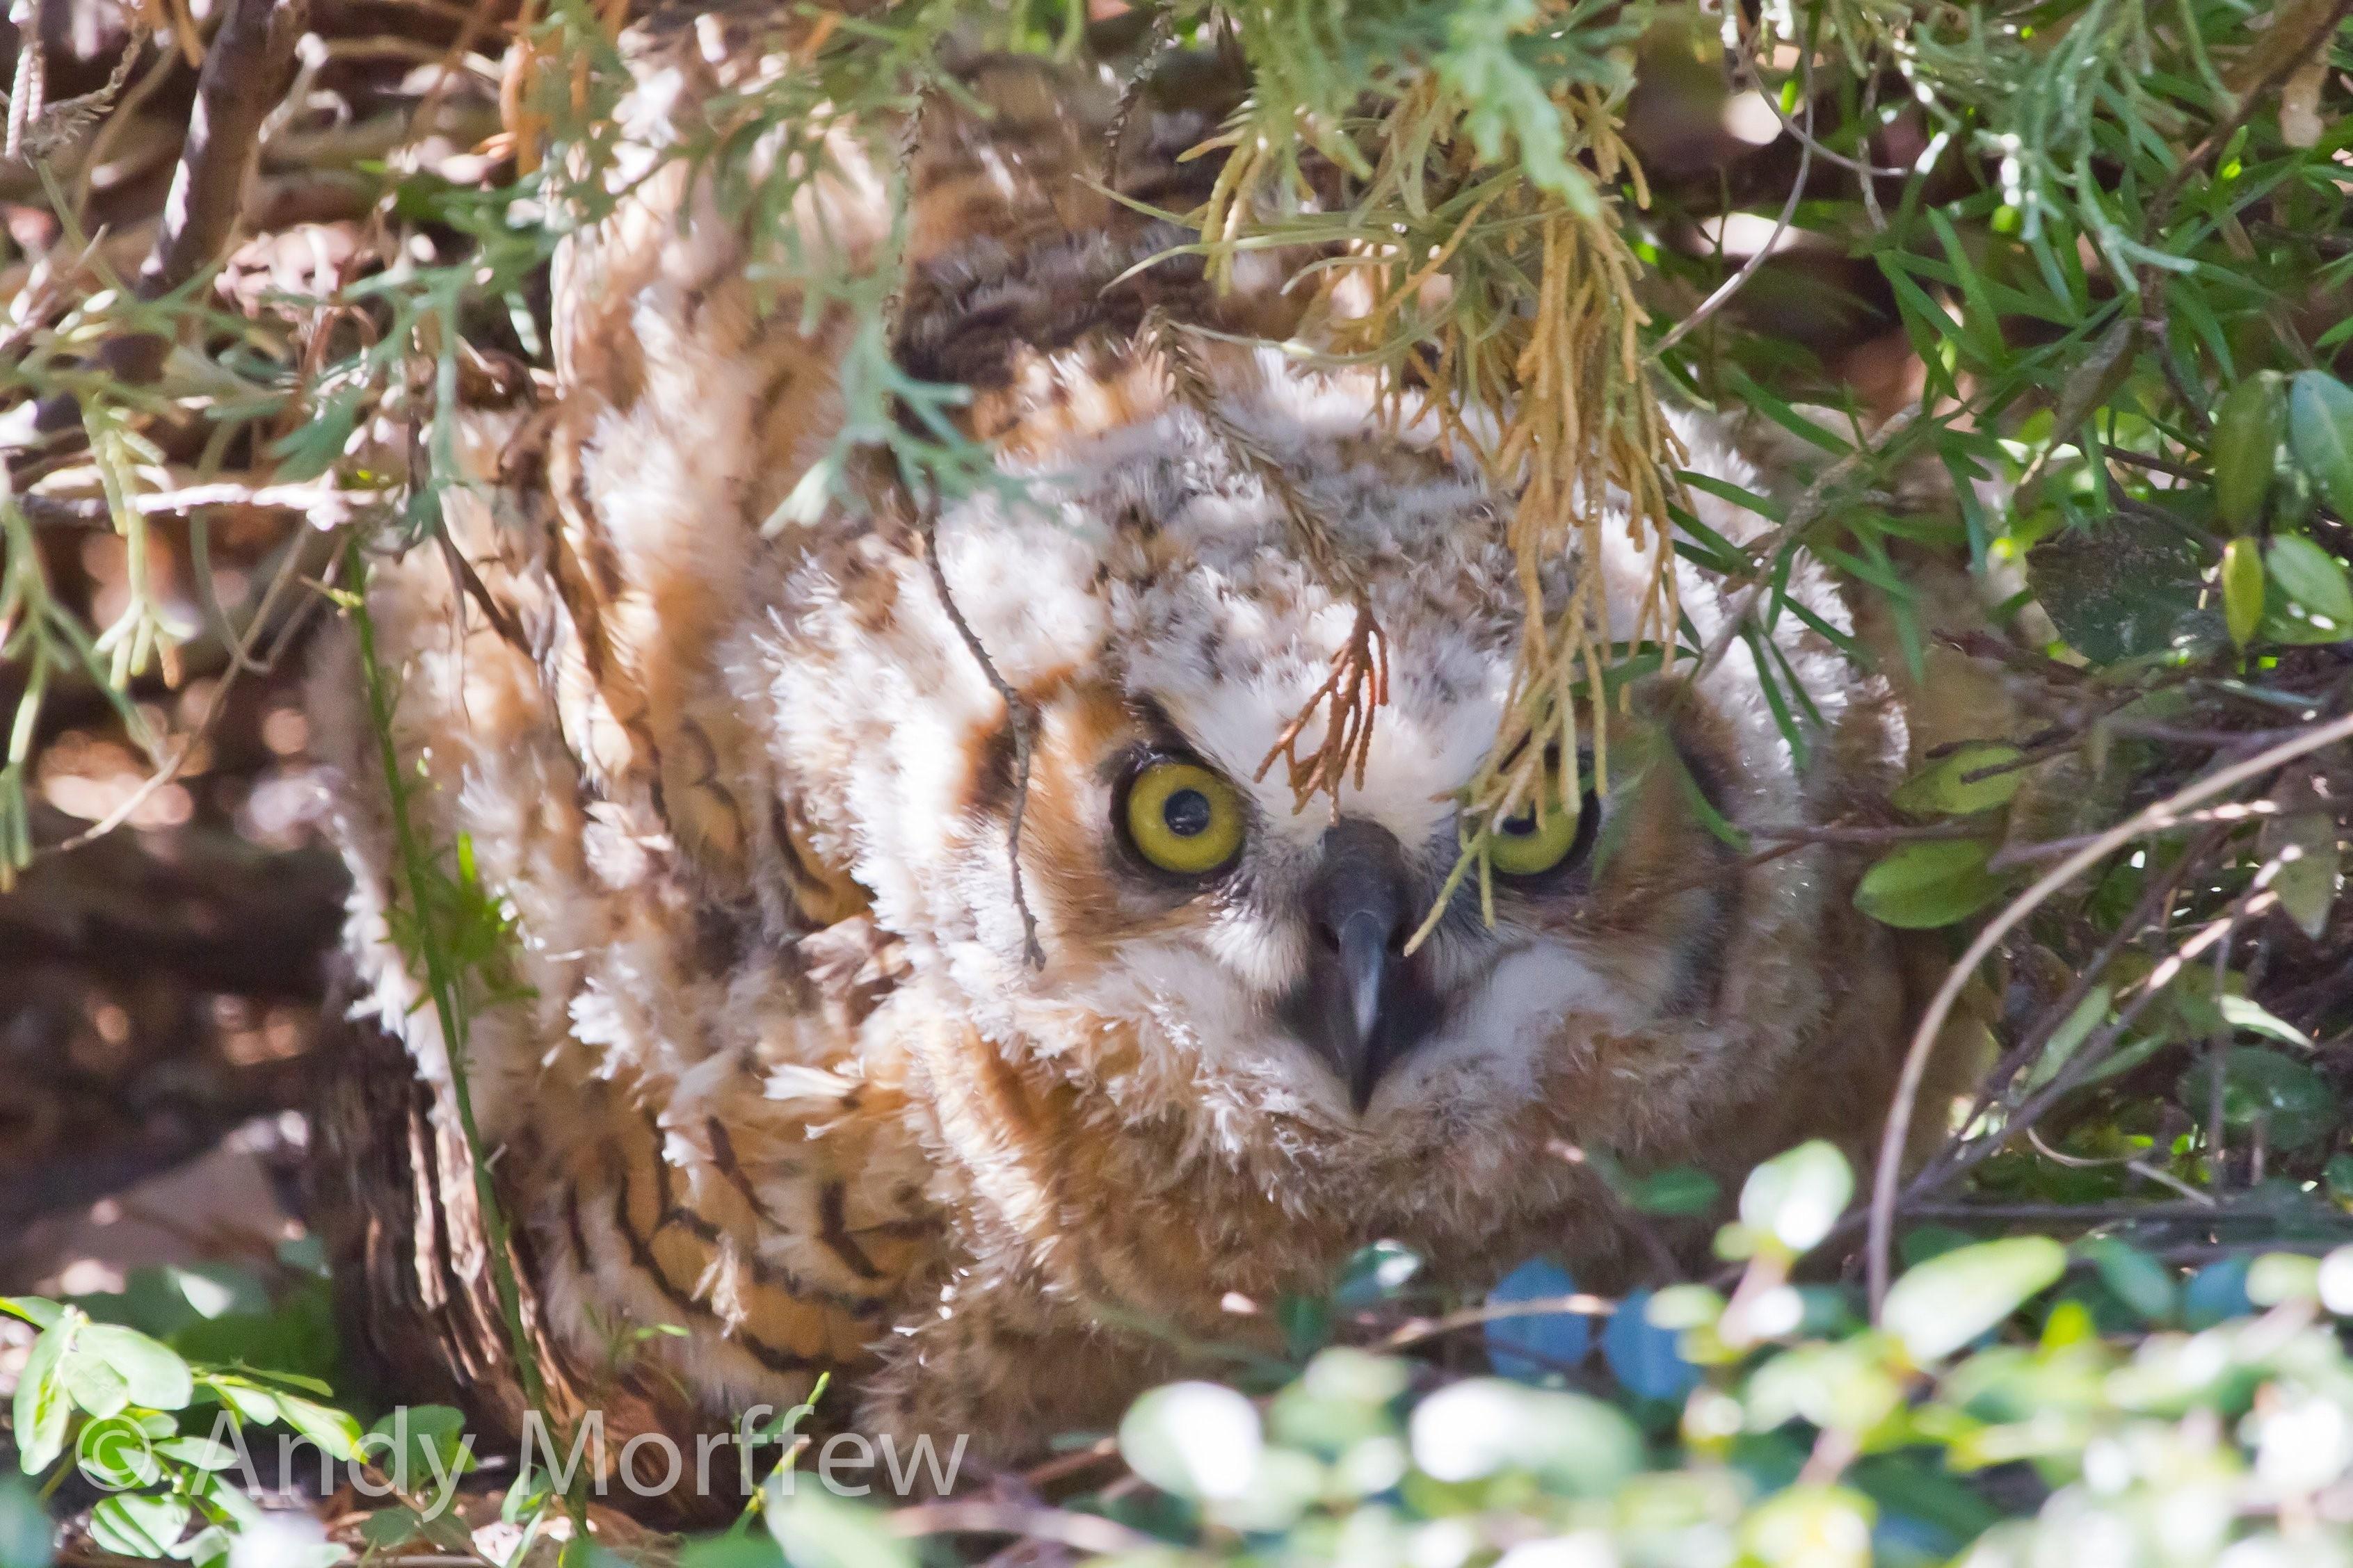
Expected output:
{"points": [[1521, 845], [1182, 818]]}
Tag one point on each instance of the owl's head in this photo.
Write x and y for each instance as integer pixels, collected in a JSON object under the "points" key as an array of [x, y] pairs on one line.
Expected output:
{"points": [[1320, 974]]}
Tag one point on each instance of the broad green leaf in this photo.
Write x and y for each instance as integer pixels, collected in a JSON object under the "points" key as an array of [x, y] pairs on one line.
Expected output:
{"points": [[138, 1526], [422, 1442], [1679, 1190], [158, 1379], [1809, 1527], [2070, 1036], [736, 1549], [2320, 430], [2305, 844], [2294, 1104], [118, 1454], [197, 1453], [2247, 431], [1945, 1302], [817, 1529], [2139, 1281], [256, 1404], [2278, 1276], [34, 1311], [1932, 883], [42, 1409], [1199, 1440], [2253, 1018], [92, 1385], [1797, 1196], [2123, 588], [1946, 787], [1484, 1427], [2242, 588], [2312, 578], [333, 1431], [209, 1544]]}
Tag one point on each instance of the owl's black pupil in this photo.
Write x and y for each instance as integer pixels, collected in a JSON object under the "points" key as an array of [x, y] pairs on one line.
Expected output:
{"points": [[1187, 814], [1520, 826]]}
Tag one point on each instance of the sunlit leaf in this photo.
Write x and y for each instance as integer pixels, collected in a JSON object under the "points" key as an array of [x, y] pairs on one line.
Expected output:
{"points": [[2320, 427], [1943, 1304], [1932, 883], [2248, 428]]}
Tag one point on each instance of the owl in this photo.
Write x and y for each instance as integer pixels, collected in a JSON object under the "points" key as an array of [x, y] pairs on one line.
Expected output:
{"points": [[916, 974]]}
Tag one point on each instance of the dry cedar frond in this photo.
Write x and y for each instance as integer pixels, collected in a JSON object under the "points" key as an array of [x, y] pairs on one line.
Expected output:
{"points": [[1485, 298]]}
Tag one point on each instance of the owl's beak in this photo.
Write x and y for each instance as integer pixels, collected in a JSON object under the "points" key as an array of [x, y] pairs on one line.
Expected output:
{"points": [[1363, 1005]]}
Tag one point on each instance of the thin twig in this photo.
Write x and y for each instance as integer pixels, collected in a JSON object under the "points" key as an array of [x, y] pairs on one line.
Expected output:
{"points": [[1018, 714], [1739, 280], [1579, 1305], [1889, 1173], [1079, 1532]]}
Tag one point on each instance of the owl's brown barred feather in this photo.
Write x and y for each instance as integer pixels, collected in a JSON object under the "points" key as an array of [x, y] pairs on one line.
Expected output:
{"points": [[785, 1077]]}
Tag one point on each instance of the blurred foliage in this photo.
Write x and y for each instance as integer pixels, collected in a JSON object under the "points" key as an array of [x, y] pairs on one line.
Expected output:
{"points": [[2107, 244]]}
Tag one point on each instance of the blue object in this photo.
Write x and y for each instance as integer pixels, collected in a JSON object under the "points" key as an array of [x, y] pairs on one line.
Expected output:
{"points": [[1532, 1346], [1644, 1355], [2216, 1292]]}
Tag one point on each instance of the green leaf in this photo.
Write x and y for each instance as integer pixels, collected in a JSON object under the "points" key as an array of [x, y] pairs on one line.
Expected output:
{"points": [[92, 1385], [2139, 1281], [2320, 431], [1944, 788], [424, 1441], [333, 1431], [1932, 883], [42, 1409], [34, 1310], [2247, 429], [2253, 1018], [2312, 578], [256, 1404], [736, 1549], [2305, 844], [27, 1538], [2278, 1276], [2242, 588], [2070, 1036], [1943, 1304], [1484, 1427], [2292, 1104], [817, 1529], [153, 1372], [1797, 1196], [2123, 588], [197, 1453], [137, 1526], [118, 1453], [1199, 1440], [209, 1544], [1677, 1190]]}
